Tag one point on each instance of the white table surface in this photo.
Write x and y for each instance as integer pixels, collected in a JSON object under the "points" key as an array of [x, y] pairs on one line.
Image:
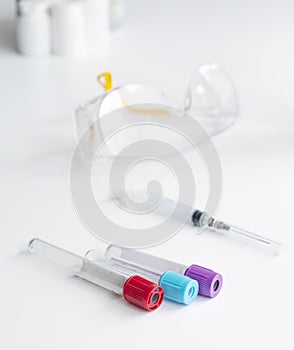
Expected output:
{"points": [[162, 42]]}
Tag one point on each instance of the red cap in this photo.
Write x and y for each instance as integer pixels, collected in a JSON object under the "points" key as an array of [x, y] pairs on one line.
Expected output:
{"points": [[143, 293]]}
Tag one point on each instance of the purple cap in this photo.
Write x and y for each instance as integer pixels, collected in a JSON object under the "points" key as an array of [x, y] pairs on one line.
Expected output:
{"points": [[210, 282]]}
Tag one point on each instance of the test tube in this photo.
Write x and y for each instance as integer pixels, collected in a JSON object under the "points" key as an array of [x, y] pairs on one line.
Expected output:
{"points": [[134, 289], [177, 287], [209, 281]]}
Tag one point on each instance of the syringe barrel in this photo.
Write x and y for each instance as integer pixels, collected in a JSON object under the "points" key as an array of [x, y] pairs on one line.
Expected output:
{"points": [[182, 212], [210, 282], [134, 289], [166, 207]]}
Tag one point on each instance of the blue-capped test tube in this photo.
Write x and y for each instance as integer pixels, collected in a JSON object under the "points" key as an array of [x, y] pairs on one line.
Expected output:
{"points": [[177, 287], [209, 281]]}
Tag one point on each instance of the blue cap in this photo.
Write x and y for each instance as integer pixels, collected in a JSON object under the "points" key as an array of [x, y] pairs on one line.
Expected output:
{"points": [[178, 288]]}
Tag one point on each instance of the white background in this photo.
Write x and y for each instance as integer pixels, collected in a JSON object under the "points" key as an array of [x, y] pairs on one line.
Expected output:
{"points": [[162, 42]]}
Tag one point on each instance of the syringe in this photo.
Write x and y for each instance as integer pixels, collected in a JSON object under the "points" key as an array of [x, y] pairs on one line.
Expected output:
{"points": [[202, 219], [210, 282], [177, 287], [135, 289]]}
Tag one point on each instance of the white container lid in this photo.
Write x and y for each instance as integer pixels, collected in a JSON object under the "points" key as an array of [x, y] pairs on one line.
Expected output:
{"points": [[31, 8]]}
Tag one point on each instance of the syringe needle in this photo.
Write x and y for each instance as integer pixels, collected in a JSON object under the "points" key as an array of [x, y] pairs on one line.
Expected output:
{"points": [[201, 219], [234, 231]]}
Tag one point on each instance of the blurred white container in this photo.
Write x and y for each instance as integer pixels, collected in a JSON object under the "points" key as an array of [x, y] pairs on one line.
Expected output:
{"points": [[117, 13], [97, 17], [69, 28], [33, 32]]}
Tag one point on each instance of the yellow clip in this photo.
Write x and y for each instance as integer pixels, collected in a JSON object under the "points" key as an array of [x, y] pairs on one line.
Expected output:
{"points": [[105, 80]]}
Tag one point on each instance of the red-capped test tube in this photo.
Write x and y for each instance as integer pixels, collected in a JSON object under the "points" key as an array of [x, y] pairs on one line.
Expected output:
{"points": [[135, 289]]}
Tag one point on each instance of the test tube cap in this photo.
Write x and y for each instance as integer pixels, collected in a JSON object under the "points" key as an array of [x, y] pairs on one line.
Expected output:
{"points": [[143, 293], [210, 282], [178, 288]]}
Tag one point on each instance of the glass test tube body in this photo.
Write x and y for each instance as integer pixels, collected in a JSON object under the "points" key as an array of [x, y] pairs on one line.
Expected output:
{"points": [[134, 289]]}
